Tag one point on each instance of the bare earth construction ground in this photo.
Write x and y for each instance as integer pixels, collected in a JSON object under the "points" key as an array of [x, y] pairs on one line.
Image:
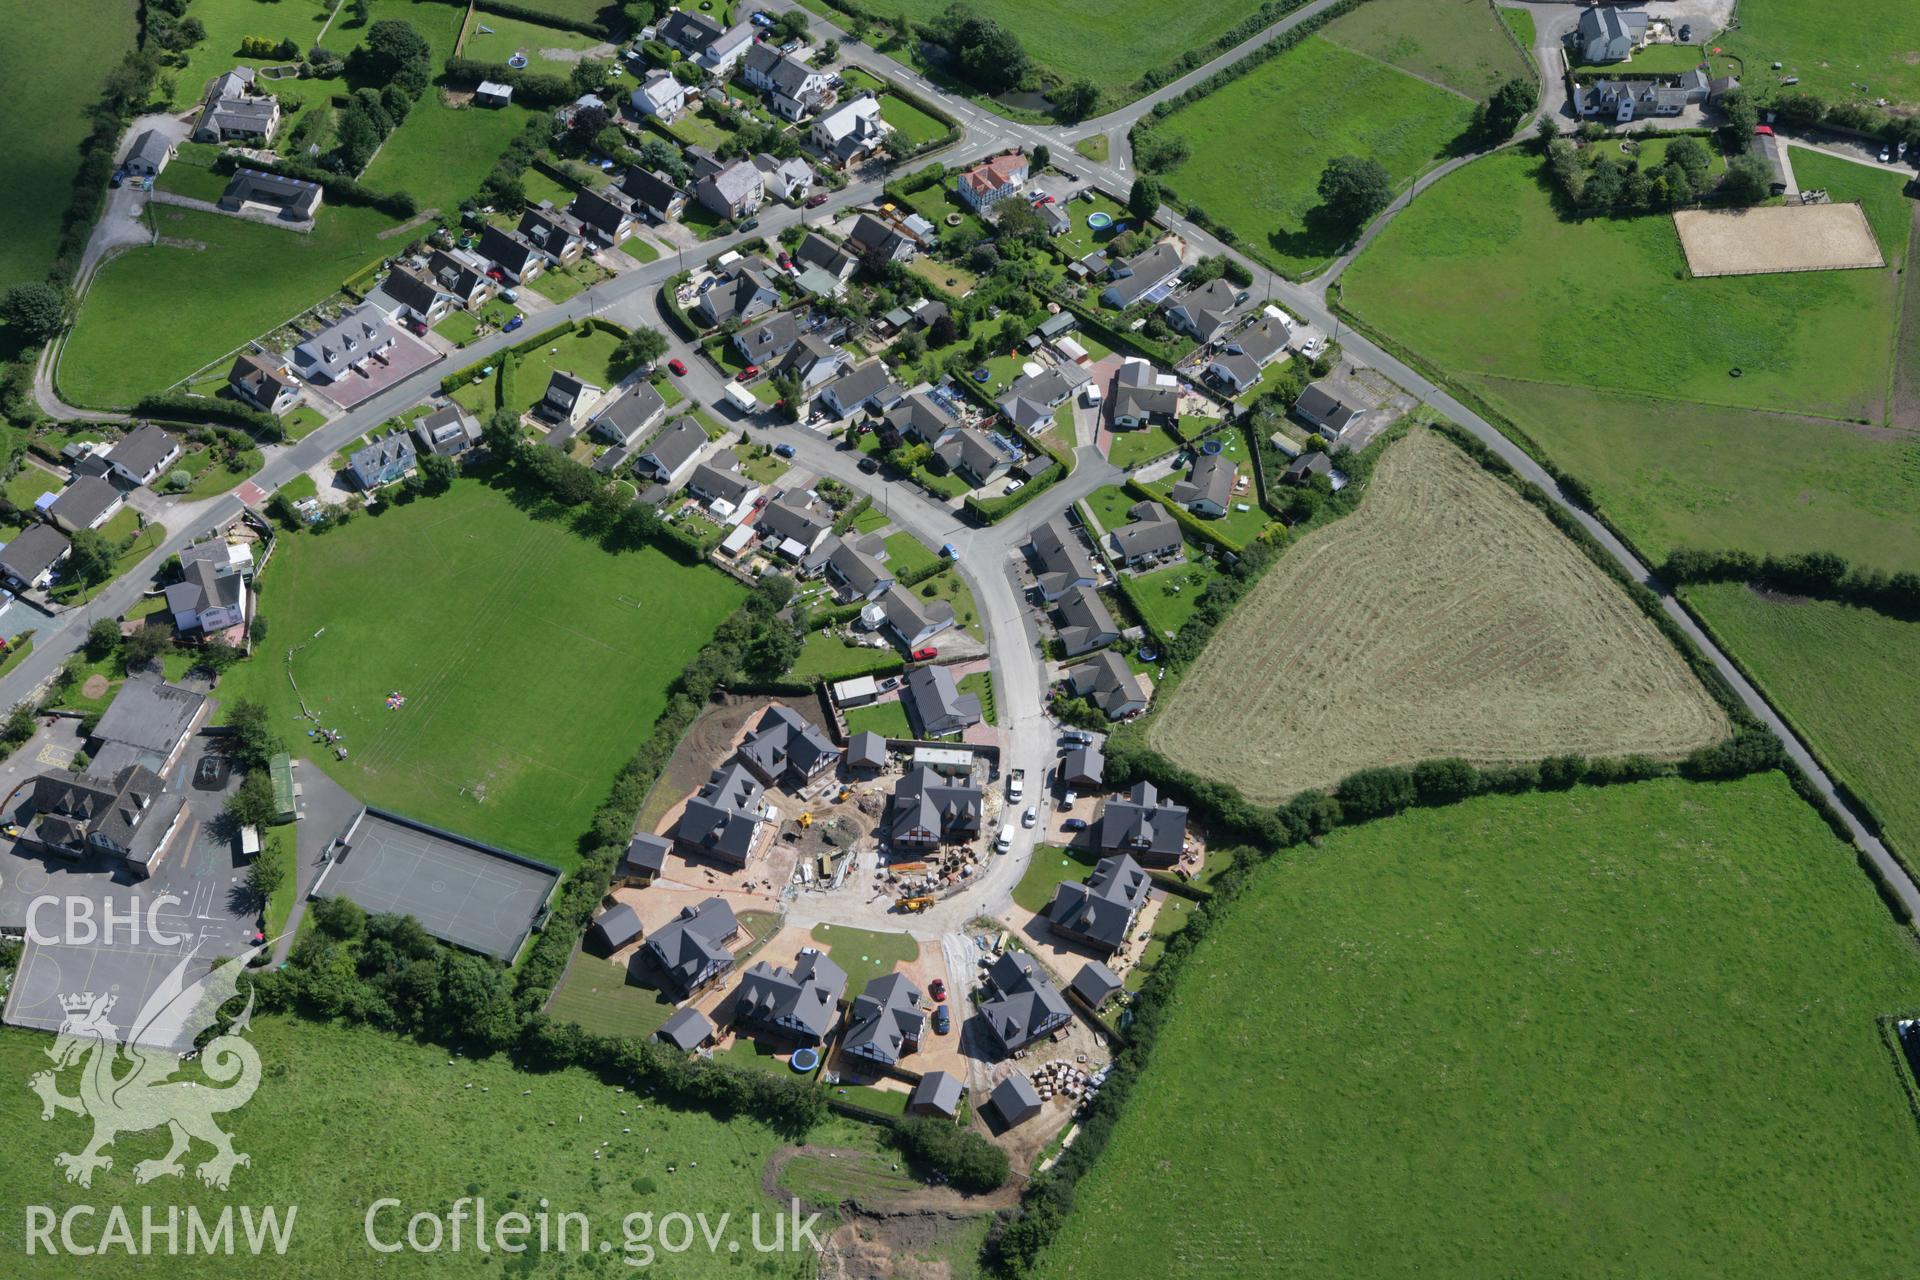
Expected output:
{"points": [[1775, 238], [1445, 617]]}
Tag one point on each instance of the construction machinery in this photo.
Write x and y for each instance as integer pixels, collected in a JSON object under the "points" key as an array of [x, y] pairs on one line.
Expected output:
{"points": [[919, 903], [806, 819]]}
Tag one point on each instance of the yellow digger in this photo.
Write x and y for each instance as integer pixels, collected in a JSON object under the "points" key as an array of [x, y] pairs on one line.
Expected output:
{"points": [[920, 903], [806, 819]]}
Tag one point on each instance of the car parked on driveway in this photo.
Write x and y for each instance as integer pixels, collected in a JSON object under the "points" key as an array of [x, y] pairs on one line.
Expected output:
{"points": [[927, 654], [1074, 824], [747, 374]]}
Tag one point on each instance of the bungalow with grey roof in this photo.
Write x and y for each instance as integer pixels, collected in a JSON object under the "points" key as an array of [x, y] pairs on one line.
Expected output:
{"points": [[935, 704], [1060, 561], [855, 575], [792, 525], [149, 154], [289, 199], [1324, 411], [929, 810], [742, 293], [723, 819], [1100, 912], [767, 340], [448, 431], [1106, 681], [141, 456], [671, 455], [263, 382], [386, 460], [803, 1002], [1240, 358], [1030, 400], [786, 748], [654, 194], [1023, 1005], [1143, 396], [728, 493], [1142, 277], [691, 949], [28, 561], [1208, 487], [868, 386], [972, 455], [1149, 535], [733, 192], [918, 417], [688, 31], [87, 503], [1083, 621], [1146, 827], [1205, 310], [911, 623], [628, 419], [344, 346], [886, 1022]]}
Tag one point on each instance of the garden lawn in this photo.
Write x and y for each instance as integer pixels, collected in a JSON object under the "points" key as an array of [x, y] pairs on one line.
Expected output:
{"points": [[52, 75], [1458, 43], [864, 954], [1133, 446], [1258, 144], [532, 661], [1834, 49], [1595, 1033], [1051, 866], [560, 283], [825, 656], [913, 124], [397, 1119], [888, 719], [1110, 506], [25, 486], [568, 351], [980, 685], [506, 36], [600, 998], [907, 556], [440, 154], [230, 21], [157, 314], [1576, 303], [1167, 597], [1845, 677], [197, 181]]}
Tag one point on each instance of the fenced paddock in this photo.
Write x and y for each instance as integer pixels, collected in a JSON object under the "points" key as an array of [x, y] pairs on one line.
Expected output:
{"points": [[1777, 238]]}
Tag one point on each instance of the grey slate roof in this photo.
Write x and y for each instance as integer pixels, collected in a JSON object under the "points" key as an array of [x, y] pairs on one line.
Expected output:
{"points": [[862, 383], [1015, 1099], [867, 750], [907, 616], [1318, 405], [1083, 767], [1144, 271], [1084, 622], [918, 416], [650, 190], [1106, 681], [723, 817], [930, 809], [37, 549], [767, 340], [667, 452], [1314, 462], [1100, 911], [412, 289], [602, 212], [1207, 307], [1139, 393], [935, 703], [348, 340], [1262, 340], [1151, 531], [818, 251], [686, 1030], [718, 485], [1143, 825], [689, 31], [631, 416], [150, 148], [261, 378], [803, 1000], [446, 431], [885, 1021], [144, 449], [1210, 481], [617, 926], [646, 855], [1095, 983], [937, 1091], [150, 715], [786, 746], [791, 517], [84, 501], [692, 947], [201, 588], [1060, 561], [1025, 1005]]}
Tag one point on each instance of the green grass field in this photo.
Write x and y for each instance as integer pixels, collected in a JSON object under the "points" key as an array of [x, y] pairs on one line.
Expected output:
{"points": [[828, 657], [386, 1117], [888, 719], [1258, 144], [1833, 49], [1050, 867], [1605, 303], [863, 953], [1169, 596], [1597, 1033], [1456, 43], [230, 21], [1520, 22], [908, 556], [532, 661], [51, 78], [913, 124], [1845, 677], [506, 36]]}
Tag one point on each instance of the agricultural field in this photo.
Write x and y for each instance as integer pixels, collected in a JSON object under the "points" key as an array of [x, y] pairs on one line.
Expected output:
{"points": [[1458, 44], [1866, 49], [1627, 1031], [51, 80], [1845, 677], [504, 634], [1571, 302], [398, 1119], [1445, 617], [1257, 145]]}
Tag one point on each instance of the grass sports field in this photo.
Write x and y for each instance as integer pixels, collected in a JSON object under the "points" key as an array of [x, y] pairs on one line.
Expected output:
{"points": [[1835, 50], [1845, 677], [51, 79], [386, 1117], [1257, 145], [1595, 1033], [532, 661], [1445, 617]]}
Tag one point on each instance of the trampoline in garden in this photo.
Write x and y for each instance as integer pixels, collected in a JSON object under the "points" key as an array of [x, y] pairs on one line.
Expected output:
{"points": [[519, 60], [804, 1060], [1209, 447], [981, 374], [1099, 220]]}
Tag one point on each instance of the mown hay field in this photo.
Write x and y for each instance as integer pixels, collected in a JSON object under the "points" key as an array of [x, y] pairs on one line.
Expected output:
{"points": [[1445, 617]]}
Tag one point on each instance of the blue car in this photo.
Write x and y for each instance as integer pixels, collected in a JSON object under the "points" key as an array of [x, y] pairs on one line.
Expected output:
{"points": [[784, 450], [514, 323], [942, 1020]]}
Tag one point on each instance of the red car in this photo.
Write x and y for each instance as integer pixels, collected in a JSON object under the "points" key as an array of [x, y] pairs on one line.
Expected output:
{"points": [[677, 367], [925, 655], [494, 273], [786, 261], [814, 202], [747, 374], [938, 989]]}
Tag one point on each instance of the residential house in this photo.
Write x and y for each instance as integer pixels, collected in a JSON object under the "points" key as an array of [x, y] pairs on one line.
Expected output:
{"points": [[795, 89], [1145, 277], [1060, 561], [867, 751], [1624, 100], [263, 382], [732, 193], [1144, 826], [688, 1029], [628, 419], [1609, 34], [1325, 412], [803, 1001], [1095, 984], [789, 179], [1313, 462], [972, 455], [128, 814], [653, 194], [851, 130], [691, 949], [720, 57], [235, 109], [1143, 396], [1023, 1004], [491, 93], [448, 431], [935, 704], [462, 273], [149, 722], [1205, 310], [1106, 681], [855, 575], [1083, 767], [661, 95], [728, 493], [149, 154], [930, 810], [793, 527], [741, 294], [787, 749], [227, 557], [566, 400], [1239, 360], [407, 293], [872, 238], [765, 341], [609, 218], [1030, 401], [1083, 621], [1015, 1100], [206, 601], [988, 183], [918, 417], [143, 455], [28, 561], [912, 621], [392, 457], [885, 1023], [818, 251], [937, 1094], [87, 503], [644, 860], [671, 455], [1150, 534], [1208, 488], [617, 927], [1100, 912], [512, 254], [868, 386], [553, 232], [345, 346], [813, 361], [688, 32], [723, 819]]}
